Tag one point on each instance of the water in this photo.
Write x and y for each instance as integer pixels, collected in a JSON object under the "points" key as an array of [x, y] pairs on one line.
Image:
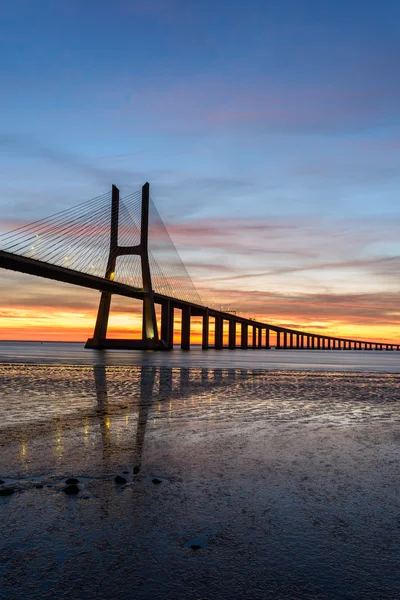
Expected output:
{"points": [[278, 473], [327, 360]]}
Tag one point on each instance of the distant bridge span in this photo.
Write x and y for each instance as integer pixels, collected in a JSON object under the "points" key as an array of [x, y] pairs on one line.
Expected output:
{"points": [[253, 334]]}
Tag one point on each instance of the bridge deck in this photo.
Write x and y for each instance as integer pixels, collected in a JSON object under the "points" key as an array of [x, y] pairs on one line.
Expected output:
{"points": [[38, 268]]}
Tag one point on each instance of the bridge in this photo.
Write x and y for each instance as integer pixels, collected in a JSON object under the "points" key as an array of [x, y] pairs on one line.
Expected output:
{"points": [[105, 244]]}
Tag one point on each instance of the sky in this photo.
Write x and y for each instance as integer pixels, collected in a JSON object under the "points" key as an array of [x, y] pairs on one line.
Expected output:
{"points": [[269, 133]]}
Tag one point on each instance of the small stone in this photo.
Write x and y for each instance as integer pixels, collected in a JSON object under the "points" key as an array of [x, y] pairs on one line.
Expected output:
{"points": [[126, 472], [1, 482], [136, 470], [120, 479], [195, 546], [72, 481], [39, 486], [155, 480], [6, 492], [71, 489]]}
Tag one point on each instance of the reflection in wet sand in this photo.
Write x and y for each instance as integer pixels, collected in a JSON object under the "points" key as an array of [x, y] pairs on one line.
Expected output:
{"points": [[285, 483], [69, 416]]}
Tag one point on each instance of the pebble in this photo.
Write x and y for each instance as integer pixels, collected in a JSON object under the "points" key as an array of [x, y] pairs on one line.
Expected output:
{"points": [[72, 481], [120, 479], [6, 492], [136, 470], [71, 489], [155, 480], [1, 481]]}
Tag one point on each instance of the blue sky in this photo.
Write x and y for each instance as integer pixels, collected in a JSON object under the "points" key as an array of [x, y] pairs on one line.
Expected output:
{"points": [[281, 115]]}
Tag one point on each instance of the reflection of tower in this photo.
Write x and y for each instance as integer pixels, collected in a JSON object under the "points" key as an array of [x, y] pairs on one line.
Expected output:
{"points": [[100, 380], [172, 382], [147, 378]]}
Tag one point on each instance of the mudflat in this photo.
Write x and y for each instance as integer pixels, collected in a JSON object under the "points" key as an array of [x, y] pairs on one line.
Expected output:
{"points": [[198, 482]]}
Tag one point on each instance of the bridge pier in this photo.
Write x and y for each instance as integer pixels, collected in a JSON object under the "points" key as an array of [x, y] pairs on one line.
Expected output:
{"points": [[267, 346], [205, 330], [244, 336], [232, 334], [185, 328], [167, 324], [219, 333]]}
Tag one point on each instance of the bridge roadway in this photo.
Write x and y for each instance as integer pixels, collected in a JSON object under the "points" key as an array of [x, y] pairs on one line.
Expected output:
{"points": [[260, 338]]}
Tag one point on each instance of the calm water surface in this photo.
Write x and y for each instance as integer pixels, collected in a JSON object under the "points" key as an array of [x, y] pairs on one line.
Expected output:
{"points": [[278, 473]]}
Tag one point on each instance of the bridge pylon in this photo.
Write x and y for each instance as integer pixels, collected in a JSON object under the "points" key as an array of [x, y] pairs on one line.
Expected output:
{"points": [[150, 339]]}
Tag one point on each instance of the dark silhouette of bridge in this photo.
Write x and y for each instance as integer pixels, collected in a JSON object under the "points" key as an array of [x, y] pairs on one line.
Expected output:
{"points": [[89, 245]]}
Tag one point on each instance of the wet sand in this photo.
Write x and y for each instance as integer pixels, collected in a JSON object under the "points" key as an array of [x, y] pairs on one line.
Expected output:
{"points": [[250, 484]]}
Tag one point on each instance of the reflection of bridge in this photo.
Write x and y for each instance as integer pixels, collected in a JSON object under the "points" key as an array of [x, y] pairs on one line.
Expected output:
{"points": [[81, 246]]}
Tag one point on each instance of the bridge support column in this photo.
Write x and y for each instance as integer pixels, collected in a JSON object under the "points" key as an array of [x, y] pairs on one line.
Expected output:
{"points": [[185, 330], [232, 334], [205, 330], [103, 313], [278, 339], [285, 339], [219, 333], [254, 337], [244, 336], [291, 340], [149, 313], [167, 324], [260, 333], [267, 346]]}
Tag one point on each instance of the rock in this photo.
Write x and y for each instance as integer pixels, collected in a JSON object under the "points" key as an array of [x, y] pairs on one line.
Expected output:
{"points": [[195, 546], [120, 479], [1, 482], [72, 481], [136, 470], [6, 492], [71, 489], [39, 486], [155, 480], [126, 472]]}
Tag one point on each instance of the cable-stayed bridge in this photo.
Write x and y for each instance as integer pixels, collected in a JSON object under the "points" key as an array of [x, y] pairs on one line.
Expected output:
{"points": [[121, 246]]}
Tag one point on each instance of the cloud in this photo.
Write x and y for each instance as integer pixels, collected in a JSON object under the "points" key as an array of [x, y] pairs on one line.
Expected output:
{"points": [[28, 146], [227, 103]]}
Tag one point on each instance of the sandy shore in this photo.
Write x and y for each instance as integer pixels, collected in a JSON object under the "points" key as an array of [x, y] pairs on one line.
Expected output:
{"points": [[249, 484]]}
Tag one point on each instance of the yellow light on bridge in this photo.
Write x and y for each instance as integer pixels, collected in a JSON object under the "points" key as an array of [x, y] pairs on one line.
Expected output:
{"points": [[112, 276]]}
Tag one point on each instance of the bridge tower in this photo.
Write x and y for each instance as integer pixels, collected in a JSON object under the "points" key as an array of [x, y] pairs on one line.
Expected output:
{"points": [[150, 339]]}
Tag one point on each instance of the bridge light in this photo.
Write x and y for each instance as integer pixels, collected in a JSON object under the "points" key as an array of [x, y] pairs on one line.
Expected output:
{"points": [[112, 276]]}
